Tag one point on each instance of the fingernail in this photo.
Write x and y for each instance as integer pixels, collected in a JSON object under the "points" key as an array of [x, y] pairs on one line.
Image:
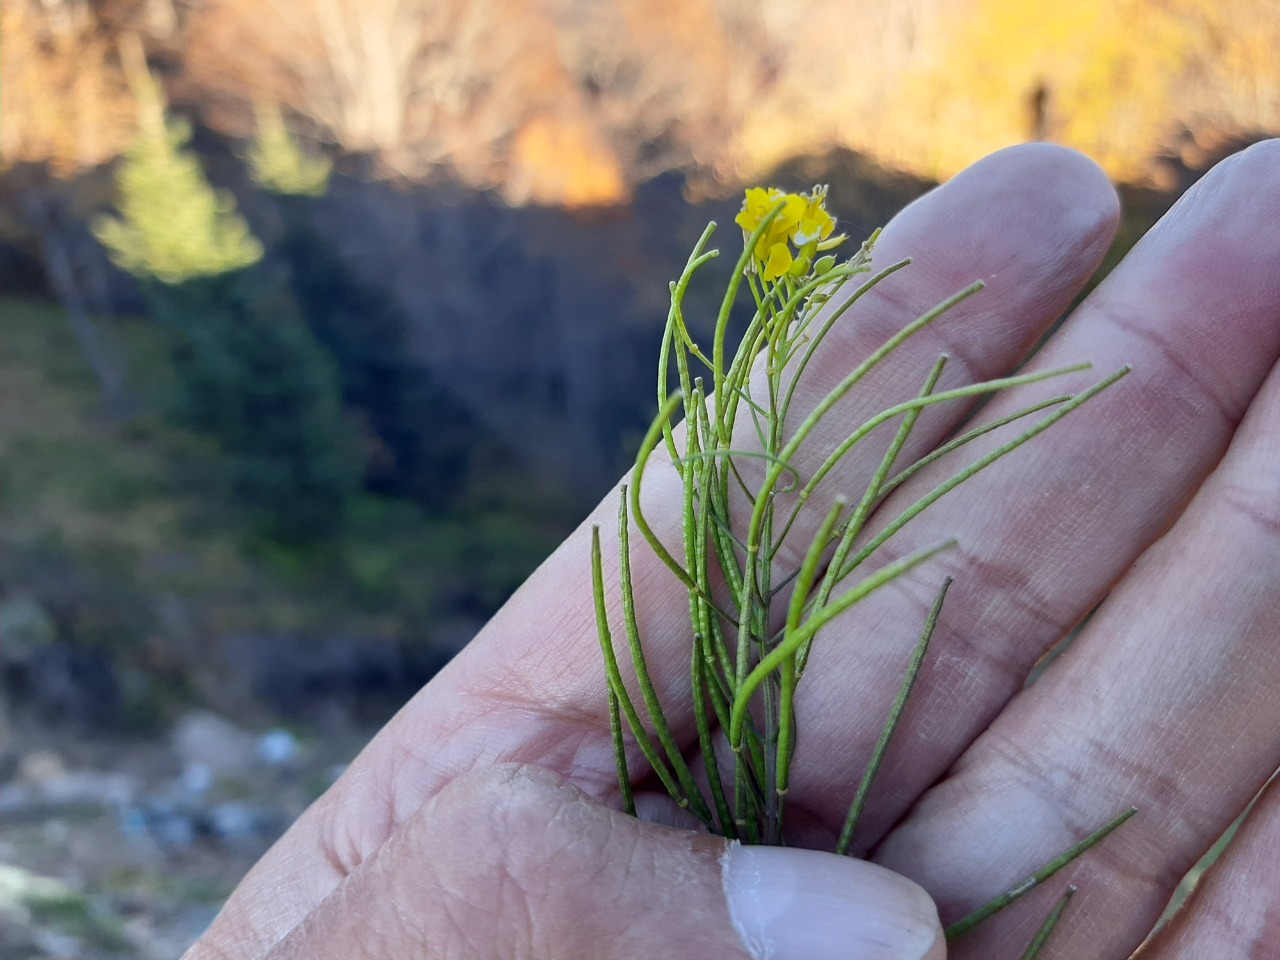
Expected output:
{"points": [[789, 904]]}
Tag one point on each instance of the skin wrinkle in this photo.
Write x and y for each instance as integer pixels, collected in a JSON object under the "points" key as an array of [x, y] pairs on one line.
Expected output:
{"points": [[1229, 411], [1260, 507], [1146, 787], [1239, 744]]}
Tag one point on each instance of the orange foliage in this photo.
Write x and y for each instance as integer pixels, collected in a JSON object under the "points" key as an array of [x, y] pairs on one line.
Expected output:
{"points": [[413, 84], [564, 162], [63, 99], [930, 86], [574, 101]]}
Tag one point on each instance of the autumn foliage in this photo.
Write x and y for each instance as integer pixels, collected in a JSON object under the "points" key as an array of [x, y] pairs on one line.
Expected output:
{"points": [[573, 102]]}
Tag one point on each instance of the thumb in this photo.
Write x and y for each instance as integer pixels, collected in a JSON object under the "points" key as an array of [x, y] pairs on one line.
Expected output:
{"points": [[513, 862]]}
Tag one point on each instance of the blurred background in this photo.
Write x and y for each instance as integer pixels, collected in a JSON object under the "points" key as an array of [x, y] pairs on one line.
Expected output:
{"points": [[322, 321]]}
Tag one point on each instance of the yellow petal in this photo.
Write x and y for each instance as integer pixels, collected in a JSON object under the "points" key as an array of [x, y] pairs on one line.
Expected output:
{"points": [[807, 231], [792, 210], [778, 263]]}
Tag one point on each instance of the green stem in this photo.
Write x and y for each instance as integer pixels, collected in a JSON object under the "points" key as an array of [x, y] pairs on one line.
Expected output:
{"points": [[830, 322], [891, 725], [616, 685], [689, 796], [647, 446], [961, 927], [1042, 936], [830, 400], [620, 754], [965, 438], [804, 583], [929, 400], [675, 318], [869, 498], [981, 464], [820, 619]]}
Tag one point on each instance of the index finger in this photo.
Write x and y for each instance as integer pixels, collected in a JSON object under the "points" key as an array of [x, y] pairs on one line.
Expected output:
{"points": [[1033, 222]]}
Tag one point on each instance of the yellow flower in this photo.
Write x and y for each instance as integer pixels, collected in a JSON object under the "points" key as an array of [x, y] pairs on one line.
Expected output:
{"points": [[803, 222], [815, 223], [756, 206], [777, 263]]}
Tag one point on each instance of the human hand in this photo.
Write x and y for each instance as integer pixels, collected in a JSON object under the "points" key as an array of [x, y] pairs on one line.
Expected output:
{"points": [[1164, 491]]}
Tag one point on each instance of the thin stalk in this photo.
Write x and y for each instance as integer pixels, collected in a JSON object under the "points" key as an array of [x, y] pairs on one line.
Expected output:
{"points": [[961, 927], [815, 623], [616, 684], [620, 754], [891, 725], [647, 446], [726, 305], [860, 514], [707, 744], [825, 405], [929, 400], [664, 361], [790, 675], [965, 438], [690, 796], [831, 320], [863, 510], [675, 318], [1039, 941], [982, 463], [695, 534]]}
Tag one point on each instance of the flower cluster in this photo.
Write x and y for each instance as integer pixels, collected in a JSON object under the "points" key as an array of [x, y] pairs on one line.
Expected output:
{"points": [[802, 221]]}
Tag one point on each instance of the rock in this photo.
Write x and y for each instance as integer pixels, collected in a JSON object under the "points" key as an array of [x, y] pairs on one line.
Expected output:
{"points": [[18, 887], [74, 788], [89, 788], [196, 779], [244, 825], [40, 767], [205, 738], [167, 824], [278, 748]]}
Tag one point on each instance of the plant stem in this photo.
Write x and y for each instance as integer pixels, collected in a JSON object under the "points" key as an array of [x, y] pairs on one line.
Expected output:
{"points": [[961, 927], [1039, 941], [891, 725]]}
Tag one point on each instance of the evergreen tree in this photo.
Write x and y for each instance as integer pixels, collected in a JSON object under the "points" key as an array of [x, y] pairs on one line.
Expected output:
{"points": [[279, 164], [173, 226], [250, 373]]}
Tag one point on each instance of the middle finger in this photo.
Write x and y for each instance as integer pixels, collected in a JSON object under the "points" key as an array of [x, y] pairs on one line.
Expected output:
{"points": [[1046, 532]]}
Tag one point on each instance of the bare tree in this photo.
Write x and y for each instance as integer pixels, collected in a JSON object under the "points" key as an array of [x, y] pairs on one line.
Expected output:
{"points": [[65, 108], [411, 82], [99, 350]]}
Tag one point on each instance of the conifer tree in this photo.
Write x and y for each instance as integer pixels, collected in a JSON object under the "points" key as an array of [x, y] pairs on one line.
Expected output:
{"points": [[249, 371], [173, 225], [278, 163]]}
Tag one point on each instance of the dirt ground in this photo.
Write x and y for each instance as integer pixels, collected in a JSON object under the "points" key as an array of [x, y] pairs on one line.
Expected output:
{"points": [[117, 847]]}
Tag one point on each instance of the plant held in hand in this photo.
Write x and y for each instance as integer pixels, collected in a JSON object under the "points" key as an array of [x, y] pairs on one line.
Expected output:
{"points": [[753, 623]]}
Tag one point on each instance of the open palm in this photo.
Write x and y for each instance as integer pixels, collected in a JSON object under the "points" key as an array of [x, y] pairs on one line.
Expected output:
{"points": [[1162, 496]]}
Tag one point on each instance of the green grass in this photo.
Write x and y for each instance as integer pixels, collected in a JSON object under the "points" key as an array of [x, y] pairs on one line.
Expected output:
{"points": [[130, 515]]}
